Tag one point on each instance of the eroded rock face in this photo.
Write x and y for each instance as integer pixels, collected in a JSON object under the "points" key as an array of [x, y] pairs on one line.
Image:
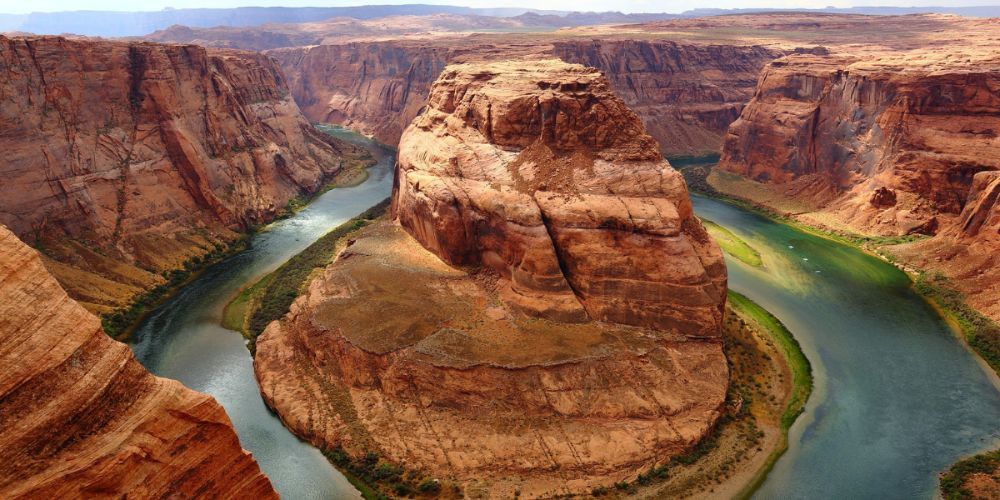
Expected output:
{"points": [[686, 94], [538, 171], [82, 418], [122, 160], [544, 317], [840, 129], [892, 144]]}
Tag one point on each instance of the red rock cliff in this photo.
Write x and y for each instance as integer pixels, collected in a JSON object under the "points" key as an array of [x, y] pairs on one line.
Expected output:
{"points": [[889, 147], [82, 418], [686, 94], [124, 159], [888, 144]]}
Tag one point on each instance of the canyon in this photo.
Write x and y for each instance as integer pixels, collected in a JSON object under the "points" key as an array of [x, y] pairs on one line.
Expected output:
{"points": [[513, 227], [125, 161], [888, 145], [82, 418]]}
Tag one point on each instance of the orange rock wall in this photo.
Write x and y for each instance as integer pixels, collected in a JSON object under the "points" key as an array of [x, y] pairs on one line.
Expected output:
{"points": [[147, 153], [82, 418]]}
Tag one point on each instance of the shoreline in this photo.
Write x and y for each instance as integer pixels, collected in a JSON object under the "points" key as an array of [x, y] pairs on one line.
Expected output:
{"points": [[950, 314]]}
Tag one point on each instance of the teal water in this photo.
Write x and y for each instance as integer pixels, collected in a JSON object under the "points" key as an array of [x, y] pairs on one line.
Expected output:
{"points": [[898, 398], [183, 338]]}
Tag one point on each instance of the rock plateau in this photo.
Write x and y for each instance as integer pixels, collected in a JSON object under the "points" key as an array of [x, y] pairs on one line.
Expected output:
{"points": [[544, 315], [81, 418]]}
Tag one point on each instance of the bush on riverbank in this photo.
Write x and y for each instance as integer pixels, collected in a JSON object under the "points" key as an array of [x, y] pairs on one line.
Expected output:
{"points": [[953, 482], [118, 323], [378, 479]]}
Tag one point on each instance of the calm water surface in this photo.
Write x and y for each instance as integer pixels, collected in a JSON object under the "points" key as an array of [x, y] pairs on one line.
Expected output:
{"points": [[183, 339], [897, 400]]}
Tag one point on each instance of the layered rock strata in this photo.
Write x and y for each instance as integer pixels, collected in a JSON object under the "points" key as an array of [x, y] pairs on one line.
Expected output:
{"points": [[889, 146], [124, 160], [543, 318], [82, 418]]}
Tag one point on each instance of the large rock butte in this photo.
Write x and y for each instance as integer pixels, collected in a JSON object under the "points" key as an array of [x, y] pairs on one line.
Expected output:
{"points": [[544, 317], [537, 171], [123, 160], [81, 418]]}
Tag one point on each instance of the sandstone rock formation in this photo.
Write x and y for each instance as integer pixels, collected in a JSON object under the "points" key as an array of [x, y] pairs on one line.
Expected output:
{"points": [[122, 160], [537, 171], [82, 418], [543, 318]]}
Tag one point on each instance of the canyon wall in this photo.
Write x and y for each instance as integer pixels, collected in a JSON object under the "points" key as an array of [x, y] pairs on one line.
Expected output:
{"points": [[82, 418], [124, 160], [686, 94], [897, 144], [542, 319], [890, 148]]}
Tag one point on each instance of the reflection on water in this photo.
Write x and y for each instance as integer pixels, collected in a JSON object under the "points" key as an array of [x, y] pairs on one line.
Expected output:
{"points": [[898, 399], [183, 339]]}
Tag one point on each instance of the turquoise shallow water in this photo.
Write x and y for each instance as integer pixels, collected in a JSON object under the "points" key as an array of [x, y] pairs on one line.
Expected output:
{"points": [[898, 398], [183, 338]]}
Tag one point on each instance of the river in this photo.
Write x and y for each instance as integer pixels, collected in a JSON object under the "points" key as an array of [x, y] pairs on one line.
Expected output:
{"points": [[183, 339], [898, 398]]}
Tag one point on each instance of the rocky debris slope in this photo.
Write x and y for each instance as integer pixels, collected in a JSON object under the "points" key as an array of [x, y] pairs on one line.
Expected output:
{"points": [[123, 160], [544, 317], [686, 94], [897, 144], [82, 418]]}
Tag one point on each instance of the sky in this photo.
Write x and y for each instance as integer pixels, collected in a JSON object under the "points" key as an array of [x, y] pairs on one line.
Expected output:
{"points": [[23, 6]]}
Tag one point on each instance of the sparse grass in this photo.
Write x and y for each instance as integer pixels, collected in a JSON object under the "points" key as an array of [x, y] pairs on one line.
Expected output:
{"points": [[733, 245], [953, 482], [802, 379], [798, 364], [120, 323], [981, 333], [269, 299]]}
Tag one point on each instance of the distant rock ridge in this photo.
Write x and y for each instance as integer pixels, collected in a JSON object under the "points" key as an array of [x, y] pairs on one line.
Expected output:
{"points": [[686, 94], [82, 418]]}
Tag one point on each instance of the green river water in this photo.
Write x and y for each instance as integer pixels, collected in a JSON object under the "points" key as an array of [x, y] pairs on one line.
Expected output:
{"points": [[897, 400]]}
